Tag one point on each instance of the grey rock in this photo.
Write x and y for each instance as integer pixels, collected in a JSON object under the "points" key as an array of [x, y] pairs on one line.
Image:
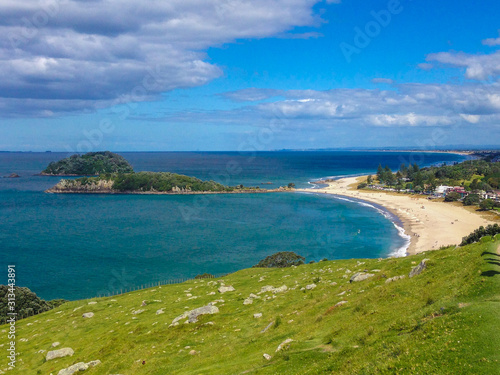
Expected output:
{"points": [[391, 279], [267, 356], [311, 286], [88, 315], [417, 270], [258, 315], [224, 289], [360, 276], [135, 312], [80, 366], [53, 354], [267, 327], [267, 288], [281, 289], [248, 301], [282, 345], [55, 344], [194, 314], [340, 303], [160, 311]]}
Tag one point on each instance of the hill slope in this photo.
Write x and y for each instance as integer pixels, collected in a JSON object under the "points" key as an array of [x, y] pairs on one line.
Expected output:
{"points": [[443, 321]]}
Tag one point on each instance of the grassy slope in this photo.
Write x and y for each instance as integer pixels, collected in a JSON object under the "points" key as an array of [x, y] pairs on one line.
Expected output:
{"points": [[410, 326]]}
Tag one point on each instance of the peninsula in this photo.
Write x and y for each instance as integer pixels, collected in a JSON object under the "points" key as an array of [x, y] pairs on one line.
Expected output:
{"points": [[151, 183]]}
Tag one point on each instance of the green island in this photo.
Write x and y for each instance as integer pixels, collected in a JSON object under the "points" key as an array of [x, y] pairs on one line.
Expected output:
{"points": [[90, 164], [431, 313]]}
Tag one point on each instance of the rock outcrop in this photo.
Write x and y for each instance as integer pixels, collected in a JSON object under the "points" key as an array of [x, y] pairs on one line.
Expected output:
{"points": [[64, 352], [417, 270]]}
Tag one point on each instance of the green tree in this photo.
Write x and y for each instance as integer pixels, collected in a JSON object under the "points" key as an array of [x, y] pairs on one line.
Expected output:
{"points": [[291, 185], [380, 173], [471, 199], [281, 260], [369, 179], [487, 204], [452, 196]]}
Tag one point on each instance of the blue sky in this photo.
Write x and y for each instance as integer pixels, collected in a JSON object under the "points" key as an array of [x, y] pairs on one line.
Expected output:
{"points": [[248, 75]]}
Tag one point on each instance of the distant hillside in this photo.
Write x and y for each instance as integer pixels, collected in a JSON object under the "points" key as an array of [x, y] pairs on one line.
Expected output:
{"points": [[90, 164], [341, 317]]}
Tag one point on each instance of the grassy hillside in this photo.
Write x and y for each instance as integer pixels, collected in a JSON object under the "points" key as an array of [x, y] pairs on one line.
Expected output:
{"points": [[443, 321]]}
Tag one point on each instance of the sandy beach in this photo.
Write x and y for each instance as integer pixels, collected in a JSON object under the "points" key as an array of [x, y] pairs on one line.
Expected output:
{"points": [[429, 223]]}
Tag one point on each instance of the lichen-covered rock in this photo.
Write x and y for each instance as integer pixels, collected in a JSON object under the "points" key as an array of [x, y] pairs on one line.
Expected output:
{"points": [[80, 366], [283, 344], [360, 276], [193, 315], [64, 352], [224, 289], [391, 279], [417, 270], [311, 286], [88, 315]]}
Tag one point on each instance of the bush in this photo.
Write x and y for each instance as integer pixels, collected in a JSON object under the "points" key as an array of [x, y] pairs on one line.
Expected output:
{"points": [[27, 303], [362, 185], [452, 197], [490, 230], [281, 260], [487, 204], [471, 200]]}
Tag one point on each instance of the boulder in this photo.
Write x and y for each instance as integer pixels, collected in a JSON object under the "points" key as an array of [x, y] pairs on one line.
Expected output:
{"points": [[248, 301], [267, 288], [340, 303], [267, 356], [282, 345], [311, 286], [194, 314], [258, 315], [88, 315], [160, 311], [360, 276], [55, 344], [417, 270], [224, 289], [281, 289], [391, 279], [64, 352], [80, 366]]}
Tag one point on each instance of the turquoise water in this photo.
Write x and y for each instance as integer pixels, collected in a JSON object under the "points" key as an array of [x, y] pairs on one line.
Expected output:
{"points": [[78, 246]]}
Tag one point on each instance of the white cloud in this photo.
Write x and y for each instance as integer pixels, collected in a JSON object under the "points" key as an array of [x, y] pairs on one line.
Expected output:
{"points": [[478, 67], [93, 54], [492, 41]]}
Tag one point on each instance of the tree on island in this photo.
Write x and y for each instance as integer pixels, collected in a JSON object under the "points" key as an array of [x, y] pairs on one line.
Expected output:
{"points": [[291, 185], [281, 260]]}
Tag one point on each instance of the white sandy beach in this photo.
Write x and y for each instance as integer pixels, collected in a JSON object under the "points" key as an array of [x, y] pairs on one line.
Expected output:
{"points": [[429, 223]]}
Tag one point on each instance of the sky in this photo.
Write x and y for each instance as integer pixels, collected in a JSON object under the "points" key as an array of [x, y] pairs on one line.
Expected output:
{"points": [[241, 75]]}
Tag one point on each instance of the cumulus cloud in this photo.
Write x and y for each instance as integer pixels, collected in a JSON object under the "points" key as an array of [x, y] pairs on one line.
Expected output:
{"points": [[492, 41], [408, 104], [74, 55], [479, 67]]}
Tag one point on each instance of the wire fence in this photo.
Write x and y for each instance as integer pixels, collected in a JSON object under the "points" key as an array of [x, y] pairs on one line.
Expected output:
{"points": [[28, 312]]}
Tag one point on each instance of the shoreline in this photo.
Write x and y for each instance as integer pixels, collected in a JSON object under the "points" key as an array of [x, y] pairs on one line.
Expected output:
{"points": [[428, 223]]}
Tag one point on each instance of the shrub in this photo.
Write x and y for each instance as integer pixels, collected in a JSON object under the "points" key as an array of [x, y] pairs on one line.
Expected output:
{"points": [[362, 185], [452, 197], [471, 199], [490, 230], [281, 260]]}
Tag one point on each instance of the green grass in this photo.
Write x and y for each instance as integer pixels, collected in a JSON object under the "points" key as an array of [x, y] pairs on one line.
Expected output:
{"points": [[444, 321]]}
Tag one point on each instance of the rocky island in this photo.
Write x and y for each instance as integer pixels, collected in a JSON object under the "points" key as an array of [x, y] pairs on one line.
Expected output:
{"points": [[90, 164]]}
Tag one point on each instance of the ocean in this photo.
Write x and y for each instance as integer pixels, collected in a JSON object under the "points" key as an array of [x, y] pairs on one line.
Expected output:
{"points": [[81, 246]]}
